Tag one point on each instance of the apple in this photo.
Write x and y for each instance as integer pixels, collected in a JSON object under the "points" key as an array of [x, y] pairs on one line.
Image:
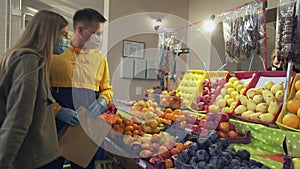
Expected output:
{"points": [[222, 134], [202, 122], [206, 99], [225, 117]]}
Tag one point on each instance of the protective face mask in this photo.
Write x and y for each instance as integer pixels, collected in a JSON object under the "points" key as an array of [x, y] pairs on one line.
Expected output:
{"points": [[62, 46], [94, 42]]}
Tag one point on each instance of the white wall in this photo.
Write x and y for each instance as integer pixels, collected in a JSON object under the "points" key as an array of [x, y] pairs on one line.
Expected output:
{"points": [[133, 20]]}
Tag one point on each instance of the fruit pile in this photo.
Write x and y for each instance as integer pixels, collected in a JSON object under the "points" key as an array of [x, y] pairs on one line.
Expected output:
{"points": [[209, 89], [229, 95], [183, 118], [189, 85], [158, 147], [124, 126], [170, 99], [292, 119], [220, 123], [261, 104], [214, 152], [147, 110], [153, 126], [154, 93]]}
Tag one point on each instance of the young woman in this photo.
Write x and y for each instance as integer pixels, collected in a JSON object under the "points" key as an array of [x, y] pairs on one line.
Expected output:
{"points": [[28, 136]]}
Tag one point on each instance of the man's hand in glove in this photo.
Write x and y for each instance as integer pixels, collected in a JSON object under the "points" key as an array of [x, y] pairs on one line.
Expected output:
{"points": [[68, 116], [97, 107]]}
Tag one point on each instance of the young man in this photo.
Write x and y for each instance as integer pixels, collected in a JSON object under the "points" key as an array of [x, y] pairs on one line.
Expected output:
{"points": [[80, 75]]}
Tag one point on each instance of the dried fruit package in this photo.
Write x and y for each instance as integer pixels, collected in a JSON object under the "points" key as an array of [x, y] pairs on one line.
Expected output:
{"points": [[243, 32], [287, 31]]}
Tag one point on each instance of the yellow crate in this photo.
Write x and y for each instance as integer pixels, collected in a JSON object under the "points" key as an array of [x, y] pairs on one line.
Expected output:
{"points": [[190, 85], [212, 75], [284, 110]]}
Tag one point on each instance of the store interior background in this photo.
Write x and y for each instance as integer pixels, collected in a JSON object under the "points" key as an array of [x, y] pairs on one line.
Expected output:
{"points": [[133, 20]]}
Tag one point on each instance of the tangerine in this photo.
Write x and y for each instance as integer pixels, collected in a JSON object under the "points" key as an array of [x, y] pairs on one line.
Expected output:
{"points": [[293, 105], [297, 85], [298, 113], [169, 163], [291, 120], [298, 95], [169, 110]]}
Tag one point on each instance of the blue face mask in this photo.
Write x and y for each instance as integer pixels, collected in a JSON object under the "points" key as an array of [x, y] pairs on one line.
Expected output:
{"points": [[62, 46]]}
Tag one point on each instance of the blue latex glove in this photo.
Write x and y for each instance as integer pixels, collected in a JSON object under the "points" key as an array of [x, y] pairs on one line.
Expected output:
{"points": [[97, 107], [68, 116]]}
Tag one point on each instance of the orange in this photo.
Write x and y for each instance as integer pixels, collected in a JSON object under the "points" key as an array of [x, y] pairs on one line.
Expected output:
{"points": [[298, 95], [177, 112], [291, 120], [180, 146], [298, 113], [293, 105], [297, 85], [169, 110], [169, 163]]}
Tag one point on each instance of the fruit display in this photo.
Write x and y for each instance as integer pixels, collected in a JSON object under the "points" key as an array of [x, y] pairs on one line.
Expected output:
{"points": [[214, 152], [290, 115], [228, 97], [153, 126], [209, 89], [261, 104], [154, 93], [157, 147], [147, 110], [123, 125], [183, 118], [190, 85], [219, 122], [169, 99]]}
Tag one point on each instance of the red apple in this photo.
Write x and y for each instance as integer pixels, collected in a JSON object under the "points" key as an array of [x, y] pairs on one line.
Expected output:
{"points": [[222, 134], [202, 122]]}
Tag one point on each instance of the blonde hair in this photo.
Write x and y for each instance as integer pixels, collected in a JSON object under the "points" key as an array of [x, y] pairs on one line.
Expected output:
{"points": [[40, 36]]}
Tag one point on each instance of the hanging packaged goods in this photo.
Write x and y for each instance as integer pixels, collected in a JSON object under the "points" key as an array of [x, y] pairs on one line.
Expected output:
{"points": [[287, 32], [244, 32]]}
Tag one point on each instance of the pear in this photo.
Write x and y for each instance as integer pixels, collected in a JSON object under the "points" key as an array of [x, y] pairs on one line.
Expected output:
{"points": [[219, 97], [234, 94], [221, 103], [273, 107], [228, 85], [229, 101], [227, 97], [259, 90], [247, 114], [232, 105], [268, 117], [276, 87], [251, 93], [247, 83], [266, 94], [242, 90], [240, 109], [243, 100], [213, 108], [255, 116], [279, 95], [268, 100], [223, 92], [227, 109], [268, 85], [236, 84], [262, 107], [230, 90], [239, 88], [251, 105], [257, 99], [233, 79]]}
